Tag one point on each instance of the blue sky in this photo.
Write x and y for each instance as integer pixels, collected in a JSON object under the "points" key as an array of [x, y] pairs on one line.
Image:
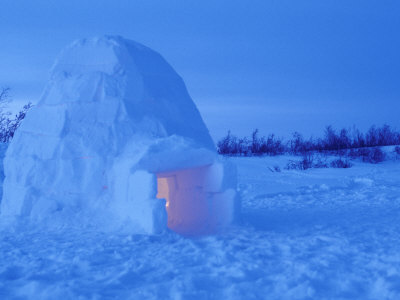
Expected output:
{"points": [[278, 65]]}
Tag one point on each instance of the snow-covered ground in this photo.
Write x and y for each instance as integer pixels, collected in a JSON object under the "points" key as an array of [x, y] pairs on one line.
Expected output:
{"points": [[315, 234]]}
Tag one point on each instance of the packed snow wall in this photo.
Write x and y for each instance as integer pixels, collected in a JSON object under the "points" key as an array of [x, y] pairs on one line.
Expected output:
{"points": [[113, 118]]}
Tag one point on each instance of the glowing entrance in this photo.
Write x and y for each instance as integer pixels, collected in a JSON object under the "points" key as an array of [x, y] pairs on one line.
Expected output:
{"points": [[194, 201]]}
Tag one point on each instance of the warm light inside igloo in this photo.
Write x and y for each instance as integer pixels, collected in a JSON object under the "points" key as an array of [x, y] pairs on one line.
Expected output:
{"points": [[163, 190], [187, 200], [194, 201]]}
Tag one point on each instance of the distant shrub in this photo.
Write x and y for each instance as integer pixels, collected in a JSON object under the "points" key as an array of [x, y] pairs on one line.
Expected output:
{"points": [[299, 146], [8, 126], [226, 144], [375, 155], [333, 141], [312, 160], [371, 155], [397, 150], [341, 163], [353, 153], [262, 145], [294, 165], [304, 164], [320, 162], [307, 161], [231, 145]]}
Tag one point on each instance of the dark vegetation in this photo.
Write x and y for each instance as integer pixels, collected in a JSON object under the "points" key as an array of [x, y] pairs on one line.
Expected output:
{"points": [[231, 145], [9, 124], [345, 143]]}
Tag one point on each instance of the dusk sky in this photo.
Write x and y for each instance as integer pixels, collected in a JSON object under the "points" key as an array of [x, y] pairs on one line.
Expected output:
{"points": [[280, 66]]}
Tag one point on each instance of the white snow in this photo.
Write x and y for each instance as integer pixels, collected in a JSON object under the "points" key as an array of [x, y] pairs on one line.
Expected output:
{"points": [[315, 234], [114, 116]]}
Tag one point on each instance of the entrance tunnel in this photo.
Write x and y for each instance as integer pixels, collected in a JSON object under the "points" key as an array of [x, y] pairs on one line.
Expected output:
{"points": [[195, 203]]}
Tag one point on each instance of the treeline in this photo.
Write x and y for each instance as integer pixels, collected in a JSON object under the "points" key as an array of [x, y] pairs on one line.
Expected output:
{"points": [[332, 141]]}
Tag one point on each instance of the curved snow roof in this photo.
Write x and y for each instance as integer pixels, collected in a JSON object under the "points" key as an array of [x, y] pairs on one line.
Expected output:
{"points": [[123, 69]]}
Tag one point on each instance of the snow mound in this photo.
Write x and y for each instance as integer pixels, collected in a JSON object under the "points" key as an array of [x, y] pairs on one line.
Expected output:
{"points": [[113, 127]]}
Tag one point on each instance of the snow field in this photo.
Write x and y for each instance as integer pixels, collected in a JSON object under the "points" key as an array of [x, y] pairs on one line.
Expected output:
{"points": [[315, 234]]}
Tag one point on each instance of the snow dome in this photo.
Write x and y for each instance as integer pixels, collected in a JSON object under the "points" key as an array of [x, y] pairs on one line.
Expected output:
{"points": [[116, 143]]}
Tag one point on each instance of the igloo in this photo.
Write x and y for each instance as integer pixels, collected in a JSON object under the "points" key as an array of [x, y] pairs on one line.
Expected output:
{"points": [[116, 143]]}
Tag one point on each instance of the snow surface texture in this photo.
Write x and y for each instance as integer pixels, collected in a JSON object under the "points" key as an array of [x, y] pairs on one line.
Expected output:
{"points": [[113, 116], [315, 234]]}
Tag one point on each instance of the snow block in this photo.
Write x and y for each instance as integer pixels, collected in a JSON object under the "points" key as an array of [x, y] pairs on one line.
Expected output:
{"points": [[116, 143]]}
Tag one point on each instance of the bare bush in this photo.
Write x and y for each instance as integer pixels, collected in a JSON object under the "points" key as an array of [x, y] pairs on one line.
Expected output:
{"points": [[371, 155], [231, 145], [397, 150], [320, 161], [341, 163], [304, 164], [225, 145], [375, 155], [8, 125]]}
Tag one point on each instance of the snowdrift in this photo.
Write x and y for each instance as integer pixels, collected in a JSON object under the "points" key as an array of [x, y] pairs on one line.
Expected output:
{"points": [[116, 143]]}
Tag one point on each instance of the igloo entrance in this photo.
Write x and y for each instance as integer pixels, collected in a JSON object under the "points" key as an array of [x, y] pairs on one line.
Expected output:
{"points": [[194, 201]]}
